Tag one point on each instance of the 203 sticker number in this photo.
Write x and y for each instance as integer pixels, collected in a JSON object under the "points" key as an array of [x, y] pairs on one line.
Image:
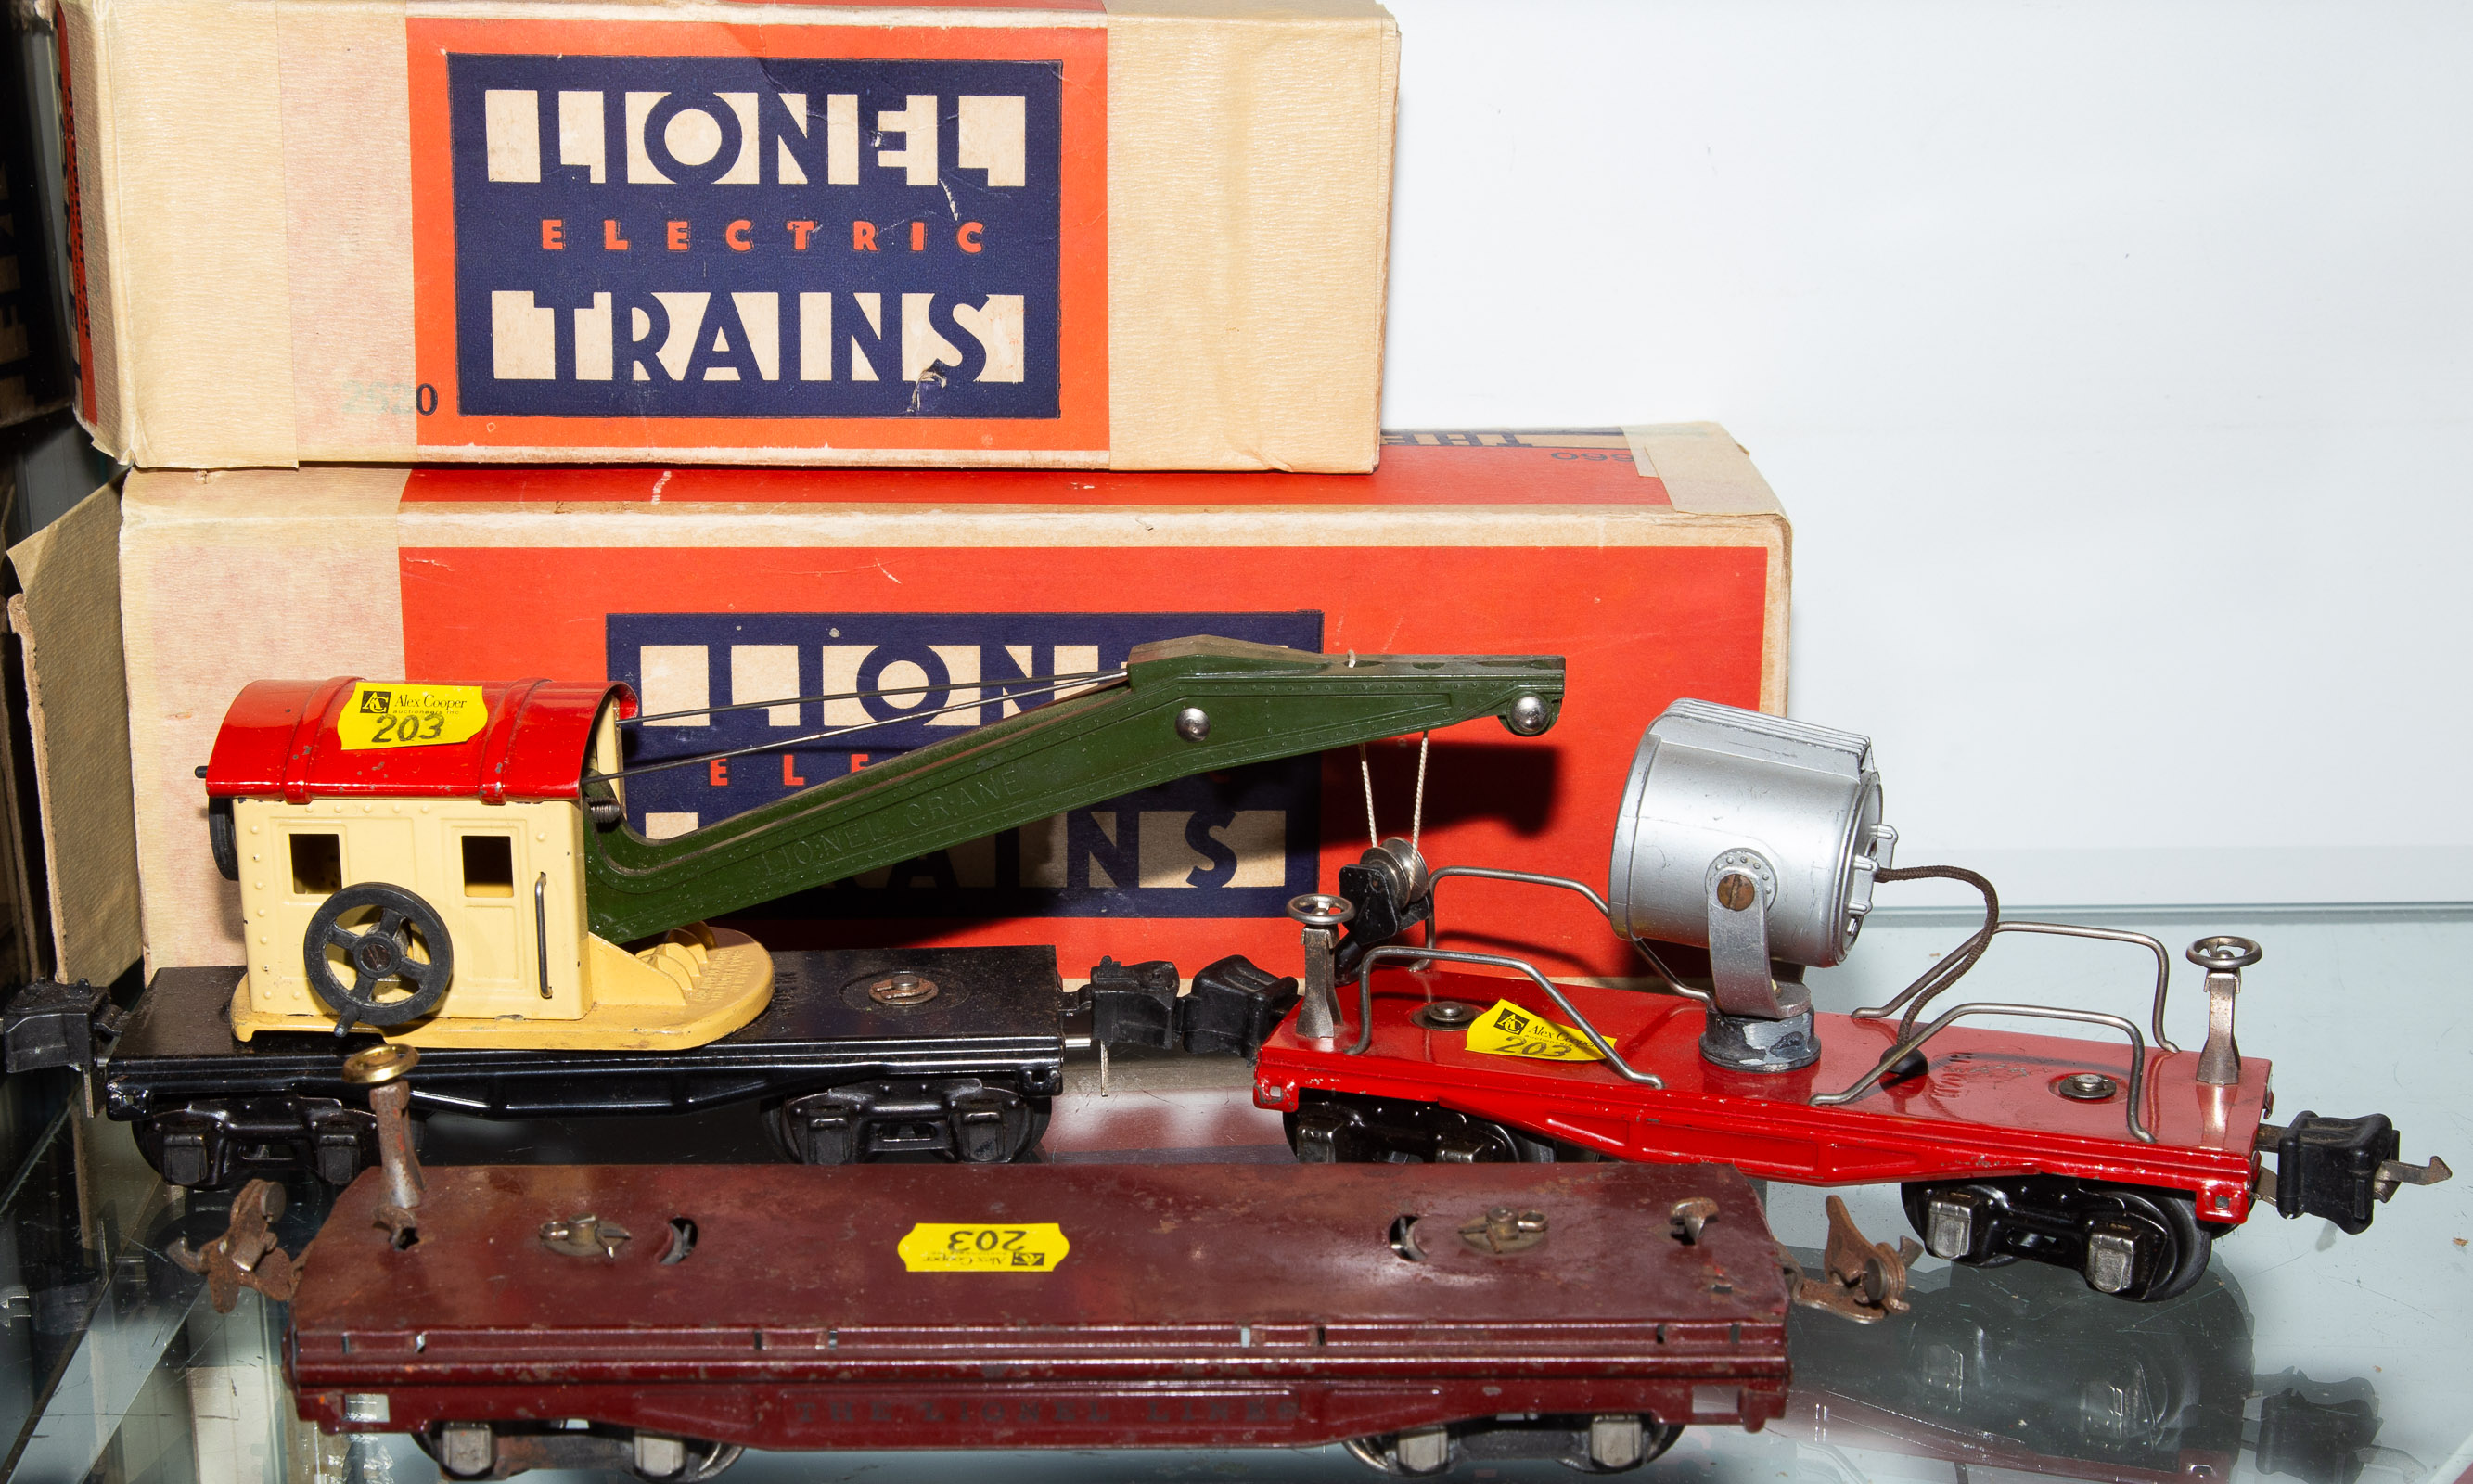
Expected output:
{"points": [[412, 727], [1557, 1049], [968, 1247], [991, 1240]]}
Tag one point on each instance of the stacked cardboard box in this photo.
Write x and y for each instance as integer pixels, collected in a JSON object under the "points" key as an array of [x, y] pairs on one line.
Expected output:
{"points": [[1151, 235], [1655, 558]]}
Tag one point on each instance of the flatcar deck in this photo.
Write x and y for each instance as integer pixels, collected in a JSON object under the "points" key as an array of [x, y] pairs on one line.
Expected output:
{"points": [[1144, 1306], [212, 1107]]}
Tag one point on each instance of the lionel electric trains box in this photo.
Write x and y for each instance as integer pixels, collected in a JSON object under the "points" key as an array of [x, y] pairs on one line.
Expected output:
{"points": [[1072, 233], [811, 622]]}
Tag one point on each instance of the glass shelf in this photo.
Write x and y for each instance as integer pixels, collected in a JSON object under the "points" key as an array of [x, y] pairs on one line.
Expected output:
{"points": [[2305, 1354]]}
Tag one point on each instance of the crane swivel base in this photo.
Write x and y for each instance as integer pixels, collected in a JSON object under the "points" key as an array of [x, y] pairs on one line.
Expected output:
{"points": [[696, 986]]}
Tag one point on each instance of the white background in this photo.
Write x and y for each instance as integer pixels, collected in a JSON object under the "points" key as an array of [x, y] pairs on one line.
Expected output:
{"points": [[2112, 361]]}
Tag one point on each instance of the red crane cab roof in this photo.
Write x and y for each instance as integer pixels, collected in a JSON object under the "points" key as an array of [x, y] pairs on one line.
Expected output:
{"points": [[279, 740]]}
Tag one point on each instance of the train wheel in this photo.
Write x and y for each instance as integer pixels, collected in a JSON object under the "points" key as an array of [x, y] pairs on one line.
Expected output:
{"points": [[2131, 1242], [1335, 1128], [1413, 1455], [1917, 1198], [500, 1450], [2193, 1240], [1607, 1442], [1618, 1443], [963, 1118]]}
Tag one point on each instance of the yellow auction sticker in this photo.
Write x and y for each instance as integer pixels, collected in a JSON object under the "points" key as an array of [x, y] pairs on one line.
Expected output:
{"points": [[1507, 1030], [945, 1246], [410, 716]]}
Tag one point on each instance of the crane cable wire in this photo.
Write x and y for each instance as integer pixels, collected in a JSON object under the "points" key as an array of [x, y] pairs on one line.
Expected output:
{"points": [[1102, 678], [1003, 689]]}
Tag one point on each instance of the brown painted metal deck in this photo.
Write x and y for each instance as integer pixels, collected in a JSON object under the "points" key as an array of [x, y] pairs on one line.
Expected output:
{"points": [[1199, 1305]]}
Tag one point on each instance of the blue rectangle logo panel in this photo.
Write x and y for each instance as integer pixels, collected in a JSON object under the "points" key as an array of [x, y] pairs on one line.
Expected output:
{"points": [[756, 237]]}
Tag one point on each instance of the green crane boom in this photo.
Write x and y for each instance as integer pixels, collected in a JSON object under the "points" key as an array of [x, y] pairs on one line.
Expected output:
{"points": [[1184, 707]]}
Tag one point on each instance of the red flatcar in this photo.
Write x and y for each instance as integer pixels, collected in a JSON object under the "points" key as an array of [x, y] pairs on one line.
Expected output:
{"points": [[1760, 840]]}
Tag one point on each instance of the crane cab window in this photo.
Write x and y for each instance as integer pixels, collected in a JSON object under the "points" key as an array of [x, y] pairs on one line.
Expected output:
{"points": [[489, 866], [317, 865]]}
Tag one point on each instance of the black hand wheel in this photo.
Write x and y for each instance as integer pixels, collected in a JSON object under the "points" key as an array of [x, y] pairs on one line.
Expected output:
{"points": [[377, 952]]}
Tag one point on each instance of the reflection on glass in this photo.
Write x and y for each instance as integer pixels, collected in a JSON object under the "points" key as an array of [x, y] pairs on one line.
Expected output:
{"points": [[2023, 1367]]}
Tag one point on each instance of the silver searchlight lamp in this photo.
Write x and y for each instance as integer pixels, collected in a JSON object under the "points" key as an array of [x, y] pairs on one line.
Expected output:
{"points": [[1759, 839]]}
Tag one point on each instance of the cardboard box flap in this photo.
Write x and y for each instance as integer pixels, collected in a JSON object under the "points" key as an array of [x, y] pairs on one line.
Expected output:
{"points": [[227, 578], [1705, 472], [77, 698]]}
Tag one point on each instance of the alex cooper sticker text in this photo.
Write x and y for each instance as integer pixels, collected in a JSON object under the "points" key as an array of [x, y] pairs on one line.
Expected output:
{"points": [[1507, 1030], [379, 716], [756, 237], [942, 1247]]}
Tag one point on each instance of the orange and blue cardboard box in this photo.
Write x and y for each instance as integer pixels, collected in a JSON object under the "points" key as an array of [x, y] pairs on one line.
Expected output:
{"points": [[1133, 234], [1654, 559]]}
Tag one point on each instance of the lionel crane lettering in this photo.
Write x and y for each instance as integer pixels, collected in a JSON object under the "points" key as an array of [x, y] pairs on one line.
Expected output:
{"points": [[1234, 844], [743, 237]]}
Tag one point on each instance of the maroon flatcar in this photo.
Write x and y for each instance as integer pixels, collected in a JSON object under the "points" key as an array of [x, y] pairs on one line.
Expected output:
{"points": [[658, 1317]]}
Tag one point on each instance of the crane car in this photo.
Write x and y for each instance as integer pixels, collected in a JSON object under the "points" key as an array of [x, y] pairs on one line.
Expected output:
{"points": [[451, 868]]}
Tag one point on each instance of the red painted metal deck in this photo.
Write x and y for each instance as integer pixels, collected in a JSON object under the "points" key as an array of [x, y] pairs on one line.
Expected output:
{"points": [[1988, 1105]]}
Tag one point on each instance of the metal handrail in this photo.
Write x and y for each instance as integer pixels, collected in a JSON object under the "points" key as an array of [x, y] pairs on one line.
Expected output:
{"points": [[1908, 1043], [1365, 1002], [541, 930], [1434, 881], [1434, 921], [1925, 990]]}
